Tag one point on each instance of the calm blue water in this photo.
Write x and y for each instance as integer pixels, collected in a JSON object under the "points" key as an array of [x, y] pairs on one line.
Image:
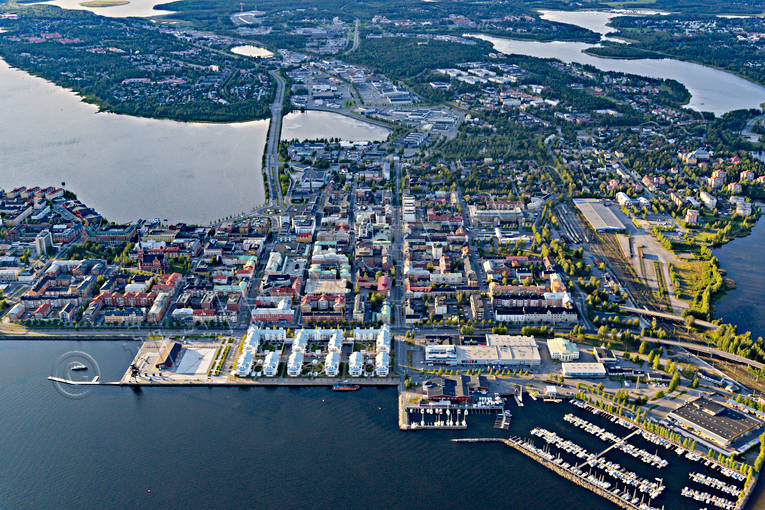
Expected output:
{"points": [[742, 259], [260, 448], [238, 448]]}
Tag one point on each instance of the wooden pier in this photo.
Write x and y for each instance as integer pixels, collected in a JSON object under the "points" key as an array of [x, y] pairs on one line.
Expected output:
{"points": [[502, 422]]}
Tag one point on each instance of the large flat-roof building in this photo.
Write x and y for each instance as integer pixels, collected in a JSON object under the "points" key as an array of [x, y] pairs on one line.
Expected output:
{"points": [[605, 356], [584, 370], [715, 422], [503, 350], [563, 350], [599, 215]]}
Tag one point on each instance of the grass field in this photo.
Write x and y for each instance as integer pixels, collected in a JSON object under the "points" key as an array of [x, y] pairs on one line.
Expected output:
{"points": [[688, 278]]}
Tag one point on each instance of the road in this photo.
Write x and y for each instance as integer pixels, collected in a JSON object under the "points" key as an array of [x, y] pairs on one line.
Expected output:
{"points": [[355, 44], [272, 147], [706, 349], [397, 290], [669, 316], [747, 131]]}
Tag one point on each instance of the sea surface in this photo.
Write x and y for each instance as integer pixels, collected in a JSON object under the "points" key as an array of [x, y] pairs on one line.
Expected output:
{"points": [[314, 124], [263, 448]]}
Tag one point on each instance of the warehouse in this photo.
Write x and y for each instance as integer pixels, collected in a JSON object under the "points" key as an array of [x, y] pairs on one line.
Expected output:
{"points": [[599, 215], [713, 421], [584, 370], [510, 351]]}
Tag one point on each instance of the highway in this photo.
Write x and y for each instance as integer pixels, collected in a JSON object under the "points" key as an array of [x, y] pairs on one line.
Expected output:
{"points": [[272, 147], [748, 132], [355, 44]]}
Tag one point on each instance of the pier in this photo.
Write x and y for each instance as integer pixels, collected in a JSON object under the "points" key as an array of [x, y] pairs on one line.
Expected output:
{"points": [[502, 422], [615, 445], [582, 482]]}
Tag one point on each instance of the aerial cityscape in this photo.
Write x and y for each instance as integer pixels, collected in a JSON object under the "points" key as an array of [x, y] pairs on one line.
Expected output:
{"points": [[363, 254]]}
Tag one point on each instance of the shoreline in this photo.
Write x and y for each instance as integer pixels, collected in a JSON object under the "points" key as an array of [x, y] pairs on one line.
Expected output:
{"points": [[92, 101]]}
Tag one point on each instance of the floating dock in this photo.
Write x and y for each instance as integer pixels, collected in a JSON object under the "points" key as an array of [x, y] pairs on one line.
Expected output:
{"points": [[513, 443]]}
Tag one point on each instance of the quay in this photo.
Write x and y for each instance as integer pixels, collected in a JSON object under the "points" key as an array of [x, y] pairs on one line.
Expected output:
{"points": [[225, 382], [553, 467]]}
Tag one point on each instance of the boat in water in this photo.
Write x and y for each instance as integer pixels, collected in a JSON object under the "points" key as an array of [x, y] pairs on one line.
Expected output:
{"points": [[345, 387], [78, 367]]}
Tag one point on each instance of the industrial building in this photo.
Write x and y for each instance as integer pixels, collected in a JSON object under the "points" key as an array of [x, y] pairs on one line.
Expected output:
{"points": [[168, 353], [599, 215], [511, 351], [712, 421], [584, 370], [563, 350]]}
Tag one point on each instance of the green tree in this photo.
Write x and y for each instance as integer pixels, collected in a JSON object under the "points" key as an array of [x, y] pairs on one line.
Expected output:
{"points": [[675, 382]]}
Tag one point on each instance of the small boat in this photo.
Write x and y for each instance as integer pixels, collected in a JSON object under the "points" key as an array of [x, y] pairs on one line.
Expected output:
{"points": [[78, 366], [345, 387]]}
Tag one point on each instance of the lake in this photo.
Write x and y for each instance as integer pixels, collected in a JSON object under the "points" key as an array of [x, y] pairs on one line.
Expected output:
{"points": [[135, 8], [596, 21], [248, 50], [126, 167], [711, 90], [314, 124], [742, 258]]}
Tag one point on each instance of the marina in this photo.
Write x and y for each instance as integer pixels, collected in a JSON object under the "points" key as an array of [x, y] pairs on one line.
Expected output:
{"points": [[447, 415], [612, 472], [705, 497], [627, 478], [601, 433]]}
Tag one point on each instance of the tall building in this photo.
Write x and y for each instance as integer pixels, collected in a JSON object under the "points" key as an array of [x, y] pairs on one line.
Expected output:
{"points": [[43, 241]]}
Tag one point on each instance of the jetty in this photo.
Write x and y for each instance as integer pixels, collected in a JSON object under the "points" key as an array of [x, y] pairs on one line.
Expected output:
{"points": [[502, 421], [549, 464]]}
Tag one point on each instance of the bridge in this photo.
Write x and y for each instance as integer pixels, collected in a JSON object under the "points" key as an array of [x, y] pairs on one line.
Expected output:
{"points": [[669, 316], [705, 349]]}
